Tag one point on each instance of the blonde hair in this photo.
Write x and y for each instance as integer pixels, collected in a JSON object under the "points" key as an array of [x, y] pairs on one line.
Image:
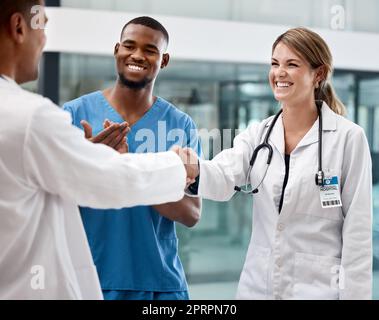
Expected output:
{"points": [[311, 47]]}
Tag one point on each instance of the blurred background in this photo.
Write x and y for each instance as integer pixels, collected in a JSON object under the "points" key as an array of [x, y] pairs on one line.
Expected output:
{"points": [[221, 82]]}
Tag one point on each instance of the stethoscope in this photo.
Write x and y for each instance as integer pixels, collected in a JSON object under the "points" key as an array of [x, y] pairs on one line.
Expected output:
{"points": [[319, 177]]}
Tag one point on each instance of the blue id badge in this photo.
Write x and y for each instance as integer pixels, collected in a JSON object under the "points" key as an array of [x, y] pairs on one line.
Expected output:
{"points": [[330, 195]]}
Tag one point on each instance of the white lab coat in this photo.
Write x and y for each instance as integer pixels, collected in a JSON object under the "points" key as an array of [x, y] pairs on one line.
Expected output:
{"points": [[47, 169], [297, 254]]}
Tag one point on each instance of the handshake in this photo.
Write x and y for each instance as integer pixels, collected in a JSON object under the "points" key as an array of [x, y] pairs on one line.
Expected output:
{"points": [[190, 161], [114, 136]]}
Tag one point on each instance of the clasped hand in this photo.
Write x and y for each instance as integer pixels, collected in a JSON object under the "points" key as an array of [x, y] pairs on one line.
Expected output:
{"points": [[113, 135], [190, 161]]}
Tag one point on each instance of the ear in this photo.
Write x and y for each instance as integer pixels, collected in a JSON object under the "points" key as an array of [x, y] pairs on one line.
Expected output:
{"points": [[321, 73], [18, 27], [165, 60], [116, 47]]}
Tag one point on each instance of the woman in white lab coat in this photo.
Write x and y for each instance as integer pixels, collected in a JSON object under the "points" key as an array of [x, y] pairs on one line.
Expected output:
{"points": [[308, 241]]}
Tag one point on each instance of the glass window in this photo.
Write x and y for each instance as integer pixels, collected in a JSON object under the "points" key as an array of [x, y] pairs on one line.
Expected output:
{"points": [[360, 15]]}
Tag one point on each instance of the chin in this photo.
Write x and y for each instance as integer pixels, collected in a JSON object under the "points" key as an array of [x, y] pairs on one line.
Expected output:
{"points": [[280, 98], [32, 77]]}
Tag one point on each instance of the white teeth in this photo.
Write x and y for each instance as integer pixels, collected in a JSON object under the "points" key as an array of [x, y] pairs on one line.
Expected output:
{"points": [[136, 68], [283, 84]]}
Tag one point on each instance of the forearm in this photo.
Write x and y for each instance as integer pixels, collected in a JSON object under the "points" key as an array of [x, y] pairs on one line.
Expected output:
{"points": [[91, 174], [186, 211]]}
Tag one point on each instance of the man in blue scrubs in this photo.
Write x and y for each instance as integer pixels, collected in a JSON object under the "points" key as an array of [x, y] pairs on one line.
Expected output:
{"points": [[136, 249]]}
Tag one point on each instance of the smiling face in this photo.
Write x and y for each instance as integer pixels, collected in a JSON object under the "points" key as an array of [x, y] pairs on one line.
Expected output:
{"points": [[140, 55], [291, 77]]}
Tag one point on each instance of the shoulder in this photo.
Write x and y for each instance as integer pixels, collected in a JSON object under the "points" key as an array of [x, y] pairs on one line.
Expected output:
{"points": [[349, 129], [260, 126], [85, 101], [345, 124], [34, 105], [30, 100], [171, 112], [344, 132]]}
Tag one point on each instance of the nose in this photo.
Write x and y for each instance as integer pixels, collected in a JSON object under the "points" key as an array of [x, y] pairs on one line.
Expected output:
{"points": [[137, 55], [281, 72]]}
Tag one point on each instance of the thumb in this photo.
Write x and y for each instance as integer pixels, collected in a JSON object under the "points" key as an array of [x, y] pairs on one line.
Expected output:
{"points": [[176, 149], [106, 123], [87, 129]]}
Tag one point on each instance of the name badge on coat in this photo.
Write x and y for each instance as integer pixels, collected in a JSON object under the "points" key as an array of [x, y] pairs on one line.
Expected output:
{"points": [[330, 195]]}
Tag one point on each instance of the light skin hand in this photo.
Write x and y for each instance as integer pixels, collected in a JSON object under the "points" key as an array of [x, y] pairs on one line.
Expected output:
{"points": [[113, 135], [190, 161]]}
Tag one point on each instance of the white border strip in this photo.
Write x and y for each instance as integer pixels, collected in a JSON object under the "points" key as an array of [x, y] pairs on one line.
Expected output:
{"points": [[95, 32]]}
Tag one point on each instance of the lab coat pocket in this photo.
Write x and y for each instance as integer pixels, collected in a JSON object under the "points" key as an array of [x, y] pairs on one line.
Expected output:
{"points": [[316, 277], [254, 279]]}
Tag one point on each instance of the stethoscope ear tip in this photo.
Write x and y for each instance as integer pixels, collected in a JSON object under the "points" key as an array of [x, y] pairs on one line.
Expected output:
{"points": [[254, 191]]}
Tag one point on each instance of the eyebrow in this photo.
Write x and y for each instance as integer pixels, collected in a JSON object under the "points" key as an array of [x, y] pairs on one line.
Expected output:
{"points": [[128, 41], [289, 60], [151, 46]]}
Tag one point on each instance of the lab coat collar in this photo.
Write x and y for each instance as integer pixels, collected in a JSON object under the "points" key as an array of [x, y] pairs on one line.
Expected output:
{"points": [[6, 81], [277, 134], [329, 123], [329, 119]]}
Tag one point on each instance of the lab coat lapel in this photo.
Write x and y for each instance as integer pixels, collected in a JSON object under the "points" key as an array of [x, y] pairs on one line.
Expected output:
{"points": [[329, 124], [310, 137], [277, 135]]}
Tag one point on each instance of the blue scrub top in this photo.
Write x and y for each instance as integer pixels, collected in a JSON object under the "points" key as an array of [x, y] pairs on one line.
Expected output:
{"points": [[136, 248]]}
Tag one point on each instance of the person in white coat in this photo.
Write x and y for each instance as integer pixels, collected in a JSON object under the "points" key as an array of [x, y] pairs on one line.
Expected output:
{"points": [[308, 241], [47, 169]]}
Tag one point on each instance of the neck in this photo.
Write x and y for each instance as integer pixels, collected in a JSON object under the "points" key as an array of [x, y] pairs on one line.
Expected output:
{"points": [[129, 103], [8, 59], [299, 117], [7, 69]]}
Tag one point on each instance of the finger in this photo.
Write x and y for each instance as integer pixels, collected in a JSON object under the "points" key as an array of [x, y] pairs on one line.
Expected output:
{"points": [[106, 132], [118, 140], [189, 181], [125, 123], [192, 157], [106, 123], [176, 149], [87, 129], [115, 137], [121, 143], [123, 147]]}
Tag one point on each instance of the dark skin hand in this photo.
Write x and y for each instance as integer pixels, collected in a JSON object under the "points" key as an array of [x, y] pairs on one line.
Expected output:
{"points": [[113, 135]]}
